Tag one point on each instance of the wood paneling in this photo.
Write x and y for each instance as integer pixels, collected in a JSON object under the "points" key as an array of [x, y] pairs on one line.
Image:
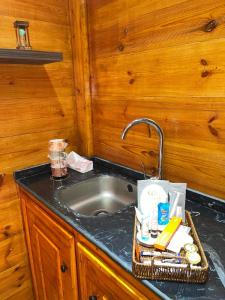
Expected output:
{"points": [[37, 103], [78, 16], [15, 280], [163, 60]]}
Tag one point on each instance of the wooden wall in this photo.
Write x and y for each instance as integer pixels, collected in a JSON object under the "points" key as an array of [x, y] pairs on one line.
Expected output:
{"points": [[15, 282], [36, 104], [163, 60]]}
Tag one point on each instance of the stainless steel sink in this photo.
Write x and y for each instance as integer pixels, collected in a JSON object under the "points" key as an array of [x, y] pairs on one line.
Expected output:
{"points": [[99, 195]]}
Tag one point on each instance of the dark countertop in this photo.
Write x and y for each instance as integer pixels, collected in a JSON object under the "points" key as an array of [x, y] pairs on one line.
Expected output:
{"points": [[113, 233]]}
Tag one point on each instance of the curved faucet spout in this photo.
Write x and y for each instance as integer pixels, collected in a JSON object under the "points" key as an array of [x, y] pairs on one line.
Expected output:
{"points": [[161, 139]]}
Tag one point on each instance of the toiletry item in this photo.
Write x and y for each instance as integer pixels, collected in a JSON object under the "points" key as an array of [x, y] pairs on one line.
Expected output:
{"points": [[190, 247], [154, 233], [179, 212], [172, 260], [173, 189], [139, 218], [145, 260], [179, 239], [168, 264], [166, 235], [138, 215], [145, 229], [154, 223], [150, 197], [163, 213], [156, 253], [194, 267], [174, 206], [193, 257], [143, 184], [145, 242]]}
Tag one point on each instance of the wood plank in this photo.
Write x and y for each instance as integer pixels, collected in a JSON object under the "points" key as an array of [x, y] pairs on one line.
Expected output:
{"points": [[23, 126], [153, 25], [51, 11], [15, 280], [201, 117], [23, 294], [156, 72], [14, 251], [14, 269], [78, 21], [12, 91], [34, 108], [37, 142]]}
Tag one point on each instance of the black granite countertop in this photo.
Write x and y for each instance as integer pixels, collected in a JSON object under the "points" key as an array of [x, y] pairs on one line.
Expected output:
{"points": [[113, 233]]}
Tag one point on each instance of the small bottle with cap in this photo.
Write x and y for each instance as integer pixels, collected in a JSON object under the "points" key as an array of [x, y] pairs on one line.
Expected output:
{"points": [[145, 229]]}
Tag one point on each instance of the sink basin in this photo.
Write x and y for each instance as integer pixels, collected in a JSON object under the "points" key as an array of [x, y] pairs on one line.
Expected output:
{"points": [[99, 195]]}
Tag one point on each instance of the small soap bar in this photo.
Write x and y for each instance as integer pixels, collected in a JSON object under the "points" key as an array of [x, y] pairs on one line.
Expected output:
{"points": [[165, 236]]}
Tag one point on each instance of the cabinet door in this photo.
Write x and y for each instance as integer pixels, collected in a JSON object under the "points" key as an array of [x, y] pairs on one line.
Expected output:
{"points": [[99, 282], [52, 256]]}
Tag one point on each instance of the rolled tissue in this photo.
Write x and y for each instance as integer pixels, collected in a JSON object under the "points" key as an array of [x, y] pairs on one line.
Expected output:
{"points": [[79, 163]]}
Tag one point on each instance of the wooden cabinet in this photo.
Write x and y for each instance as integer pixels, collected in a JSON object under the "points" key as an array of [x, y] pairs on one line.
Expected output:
{"points": [[56, 270], [99, 282], [52, 256]]}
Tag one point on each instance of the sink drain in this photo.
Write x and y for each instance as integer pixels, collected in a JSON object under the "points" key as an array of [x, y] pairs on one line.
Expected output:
{"points": [[99, 212]]}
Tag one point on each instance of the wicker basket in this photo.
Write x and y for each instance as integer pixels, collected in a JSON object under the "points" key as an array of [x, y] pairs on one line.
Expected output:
{"points": [[151, 271]]}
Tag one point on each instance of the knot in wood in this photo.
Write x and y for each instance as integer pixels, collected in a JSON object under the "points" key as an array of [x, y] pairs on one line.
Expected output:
{"points": [[210, 26]]}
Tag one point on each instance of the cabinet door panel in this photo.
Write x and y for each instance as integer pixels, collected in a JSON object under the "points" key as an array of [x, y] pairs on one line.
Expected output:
{"points": [[53, 257], [99, 281], [48, 266]]}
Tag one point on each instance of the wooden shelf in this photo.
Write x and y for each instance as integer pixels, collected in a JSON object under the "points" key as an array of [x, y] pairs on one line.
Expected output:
{"points": [[14, 56]]}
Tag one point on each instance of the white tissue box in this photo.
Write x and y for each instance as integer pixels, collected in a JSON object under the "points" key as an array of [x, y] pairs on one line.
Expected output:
{"points": [[79, 163]]}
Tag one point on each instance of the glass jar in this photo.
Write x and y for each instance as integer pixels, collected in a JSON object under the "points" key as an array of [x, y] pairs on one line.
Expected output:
{"points": [[57, 157]]}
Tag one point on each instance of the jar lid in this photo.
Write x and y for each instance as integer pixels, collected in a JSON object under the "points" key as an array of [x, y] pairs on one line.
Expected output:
{"points": [[193, 257], [56, 141], [57, 145], [190, 247]]}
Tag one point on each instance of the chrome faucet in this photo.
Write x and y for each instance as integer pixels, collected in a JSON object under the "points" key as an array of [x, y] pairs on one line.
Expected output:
{"points": [[161, 139]]}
